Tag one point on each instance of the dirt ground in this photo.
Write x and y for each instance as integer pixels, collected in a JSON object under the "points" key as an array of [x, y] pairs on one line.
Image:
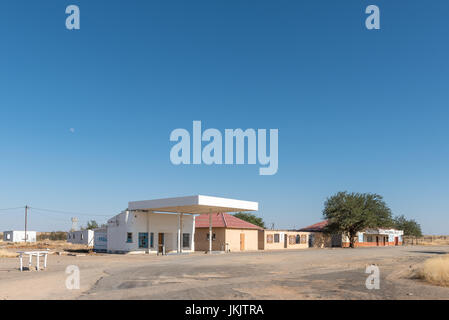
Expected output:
{"points": [[294, 274]]}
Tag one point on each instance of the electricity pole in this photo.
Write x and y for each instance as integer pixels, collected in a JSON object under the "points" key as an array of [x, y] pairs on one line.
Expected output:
{"points": [[26, 217]]}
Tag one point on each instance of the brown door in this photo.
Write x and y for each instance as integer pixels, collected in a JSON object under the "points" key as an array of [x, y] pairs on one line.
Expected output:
{"points": [[285, 241], [242, 242], [377, 241], [160, 241], [396, 241]]}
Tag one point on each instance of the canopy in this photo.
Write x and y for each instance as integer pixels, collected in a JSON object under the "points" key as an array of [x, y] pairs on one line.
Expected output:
{"points": [[194, 205]]}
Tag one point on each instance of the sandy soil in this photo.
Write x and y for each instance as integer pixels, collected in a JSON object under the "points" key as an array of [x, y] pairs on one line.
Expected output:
{"points": [[293, 274]]}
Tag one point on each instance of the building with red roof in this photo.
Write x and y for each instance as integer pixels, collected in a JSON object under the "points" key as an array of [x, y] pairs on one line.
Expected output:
{"points": [[229, 233]]}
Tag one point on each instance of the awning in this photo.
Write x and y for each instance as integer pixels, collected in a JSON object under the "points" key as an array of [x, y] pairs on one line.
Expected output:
{"points": [[194, 205]]}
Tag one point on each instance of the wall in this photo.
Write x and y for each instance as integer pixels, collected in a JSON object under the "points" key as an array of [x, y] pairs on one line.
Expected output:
{"points": [[321, 240], [265, 245], [135, 222], [202, 244], [233, 239]]}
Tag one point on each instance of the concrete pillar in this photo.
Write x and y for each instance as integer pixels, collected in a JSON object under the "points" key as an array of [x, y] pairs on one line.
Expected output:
{"points": [[210, 232], [179, 234]]}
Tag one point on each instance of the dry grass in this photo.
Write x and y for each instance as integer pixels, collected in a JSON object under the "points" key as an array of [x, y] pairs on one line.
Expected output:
{"points": [[7, 254], [435, 270]]}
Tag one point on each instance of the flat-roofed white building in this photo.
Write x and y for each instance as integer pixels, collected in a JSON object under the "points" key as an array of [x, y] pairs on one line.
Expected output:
{"points": [[153, 226], [85, 237], [19, 236]]}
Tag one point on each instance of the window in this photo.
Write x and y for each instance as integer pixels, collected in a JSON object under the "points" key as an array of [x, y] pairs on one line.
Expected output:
{"points": [[151, 240], [213, 237], [8, 236], [269, 238], [129, 237], [298, 239], [276, 237], [82, 236], [370, 239], [303, 238], [291, 240], [186, 240]]}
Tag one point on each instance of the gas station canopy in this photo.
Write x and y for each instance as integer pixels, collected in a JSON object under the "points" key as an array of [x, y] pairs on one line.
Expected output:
{"points": [[198, 204]]}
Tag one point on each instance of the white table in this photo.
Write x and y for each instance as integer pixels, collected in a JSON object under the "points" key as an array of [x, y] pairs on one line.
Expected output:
{"points": [[32, 254]]}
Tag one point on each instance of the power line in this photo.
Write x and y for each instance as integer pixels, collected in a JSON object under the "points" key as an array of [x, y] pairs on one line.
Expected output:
{"points": [[70, 212], [12, 208]]}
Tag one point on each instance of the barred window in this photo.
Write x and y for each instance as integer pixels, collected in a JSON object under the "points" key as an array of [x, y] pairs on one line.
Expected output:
{"points": [[303, 238], [291, 239], [276, 237], [269, 238]]}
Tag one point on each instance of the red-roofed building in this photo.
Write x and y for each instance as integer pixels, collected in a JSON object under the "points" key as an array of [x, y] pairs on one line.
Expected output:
{"points": [[374, 237], [228, 233]]}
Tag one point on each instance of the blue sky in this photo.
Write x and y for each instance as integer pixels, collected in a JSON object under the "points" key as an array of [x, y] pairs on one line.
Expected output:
{"points": [[356, 110]]}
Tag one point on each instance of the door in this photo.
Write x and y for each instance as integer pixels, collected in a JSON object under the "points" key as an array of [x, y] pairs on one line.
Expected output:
{"points": [[242, 242], [143, 240], [377, 241], [160, 241], [285, 240], [396, 241]]}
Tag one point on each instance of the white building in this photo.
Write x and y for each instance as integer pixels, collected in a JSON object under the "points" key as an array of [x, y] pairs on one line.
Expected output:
{"points": [[85, 237], [149, 232], [153, 226], [19, 236]]}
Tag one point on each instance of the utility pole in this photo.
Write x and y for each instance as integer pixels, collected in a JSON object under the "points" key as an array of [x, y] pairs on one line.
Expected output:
{"points": [[26, 217]]}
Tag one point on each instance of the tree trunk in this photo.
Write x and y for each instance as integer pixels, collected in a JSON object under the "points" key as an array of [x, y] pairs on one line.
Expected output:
{"points": [[351, 240]]}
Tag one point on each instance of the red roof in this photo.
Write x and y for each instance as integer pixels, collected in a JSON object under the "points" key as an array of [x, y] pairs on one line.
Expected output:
{"points": [[223, 220], [317, 227]]}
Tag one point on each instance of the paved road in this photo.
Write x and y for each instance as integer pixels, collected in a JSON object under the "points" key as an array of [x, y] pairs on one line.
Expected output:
{"points": [[299, 274]]}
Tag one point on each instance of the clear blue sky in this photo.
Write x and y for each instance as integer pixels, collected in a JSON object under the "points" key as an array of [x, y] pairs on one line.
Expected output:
{"points": [[356, 110]]}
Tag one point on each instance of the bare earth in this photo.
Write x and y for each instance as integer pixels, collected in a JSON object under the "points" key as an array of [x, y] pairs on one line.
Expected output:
{"points": [[296, 274]]}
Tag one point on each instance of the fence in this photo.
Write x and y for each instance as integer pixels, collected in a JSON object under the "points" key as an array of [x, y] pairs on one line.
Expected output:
{"points": [[426, 240]]}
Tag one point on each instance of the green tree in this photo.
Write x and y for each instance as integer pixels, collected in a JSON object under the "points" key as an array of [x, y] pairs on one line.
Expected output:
{"points": [[410, 227], [349, 213], [251, 218], [92, 224]]}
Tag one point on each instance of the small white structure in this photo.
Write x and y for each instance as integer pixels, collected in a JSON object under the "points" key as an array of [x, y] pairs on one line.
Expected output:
{"points": [[19, 236], [101, 240], [32, 254], [85, 237], [166, 225]]}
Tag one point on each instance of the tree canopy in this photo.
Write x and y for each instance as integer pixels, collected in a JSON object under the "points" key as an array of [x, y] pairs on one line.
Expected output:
{"points": [[349, 213], [92, 224], [410, 227], [251, 218]]}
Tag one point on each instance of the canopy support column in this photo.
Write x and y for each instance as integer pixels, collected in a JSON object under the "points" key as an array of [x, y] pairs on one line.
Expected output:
{"points": [[180, 233], [210, 232], [178, 244]]}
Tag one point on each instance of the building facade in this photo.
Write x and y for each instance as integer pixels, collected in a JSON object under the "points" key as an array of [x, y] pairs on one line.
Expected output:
{"points": [[229, 234], [19, 236], [148, 232], [283, 239], [85, 237], [370, 237]]}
